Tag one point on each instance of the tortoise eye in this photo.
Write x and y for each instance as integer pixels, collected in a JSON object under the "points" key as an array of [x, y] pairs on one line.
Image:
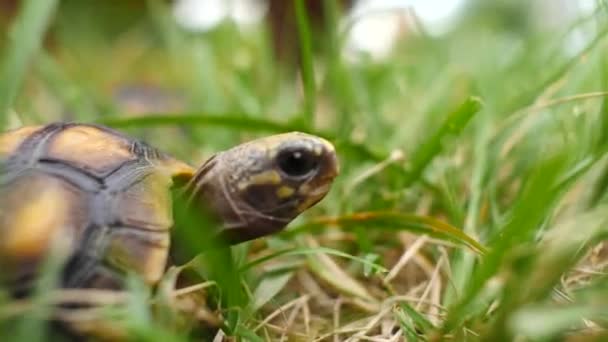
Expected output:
{"points": [[297, 162]]}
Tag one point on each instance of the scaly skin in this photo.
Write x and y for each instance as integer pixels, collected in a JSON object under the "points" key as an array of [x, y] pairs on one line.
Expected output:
{"points": [[258, 187]]}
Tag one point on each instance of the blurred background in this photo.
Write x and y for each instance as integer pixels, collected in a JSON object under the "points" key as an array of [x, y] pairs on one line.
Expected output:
{"points": [[377, 62], [487, 116]]}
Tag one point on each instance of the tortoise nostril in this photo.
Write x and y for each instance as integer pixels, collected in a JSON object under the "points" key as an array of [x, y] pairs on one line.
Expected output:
{"points": [[297, 162]]}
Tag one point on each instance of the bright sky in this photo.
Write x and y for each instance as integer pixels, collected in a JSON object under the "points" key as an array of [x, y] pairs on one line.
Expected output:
{"points": [[374, 31], [380, 21], [376, 26]]}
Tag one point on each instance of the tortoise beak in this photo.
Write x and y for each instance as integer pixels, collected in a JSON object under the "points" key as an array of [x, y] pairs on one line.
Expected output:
{"points": [[330, 165], [333, 166]]}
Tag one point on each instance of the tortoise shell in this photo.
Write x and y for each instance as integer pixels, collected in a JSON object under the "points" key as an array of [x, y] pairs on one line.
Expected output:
{"points": [[101, 197]]}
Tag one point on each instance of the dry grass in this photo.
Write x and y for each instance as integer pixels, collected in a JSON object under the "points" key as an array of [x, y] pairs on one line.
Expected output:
{"points": [[471, 204]]}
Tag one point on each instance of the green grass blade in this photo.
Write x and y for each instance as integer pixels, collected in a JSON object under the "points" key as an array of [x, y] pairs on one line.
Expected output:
{"points": [[514, 200], [308, 251], [248, 335], [529, 96], [542, 323], [34, 325], [419, 319], [464, 263], [306, 61], [601, 185], [201, 119], [537, 273], [338, 280], [394, 221], [533, 206], [237, 122], [406, 324], [77, 101], [539, 320], [431, 147], [268, 288], [26, 38]]}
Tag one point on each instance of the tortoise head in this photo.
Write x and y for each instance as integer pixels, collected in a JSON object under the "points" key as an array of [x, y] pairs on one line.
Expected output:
{"points": [[257, 188]]}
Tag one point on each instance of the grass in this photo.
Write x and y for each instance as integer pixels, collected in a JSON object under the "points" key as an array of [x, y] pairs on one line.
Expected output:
{"points": [[471, 203], [25, 39]]}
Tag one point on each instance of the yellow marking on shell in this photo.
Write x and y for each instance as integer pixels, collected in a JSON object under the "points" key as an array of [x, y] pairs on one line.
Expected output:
{"points": [[11, 140], [285, 191], [147, 204], [135, 253], [155, 264], [176, 169], [91, 148], [32, 213]]}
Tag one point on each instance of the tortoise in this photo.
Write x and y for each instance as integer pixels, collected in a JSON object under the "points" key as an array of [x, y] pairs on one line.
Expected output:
{"points": [[107, 198]]}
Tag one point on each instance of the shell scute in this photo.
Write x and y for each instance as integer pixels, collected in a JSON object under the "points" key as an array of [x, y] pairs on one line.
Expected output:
{"points": [[144, 253], [10, 141], [36, 209], [106, 194], [90, 148], [146, 203]]}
